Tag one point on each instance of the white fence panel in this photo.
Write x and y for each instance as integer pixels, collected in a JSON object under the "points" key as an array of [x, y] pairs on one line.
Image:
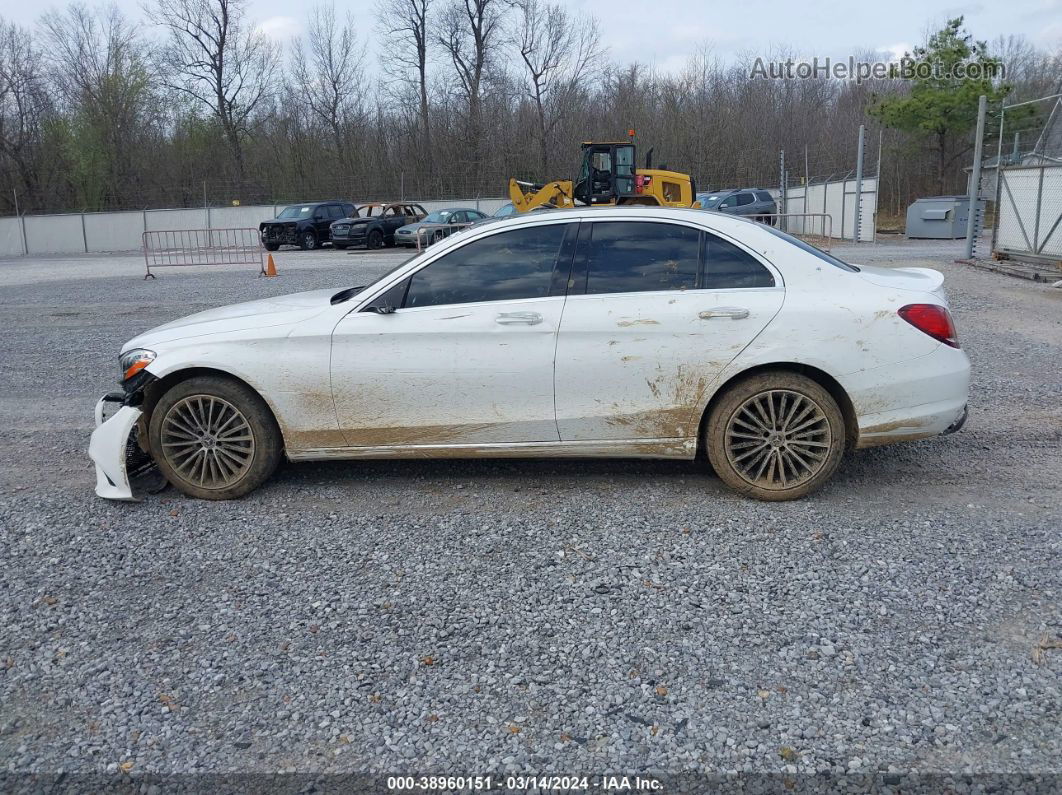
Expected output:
{"points": [[10, 237], [241, 217], [56, 234], [161, 220], [113, 231], [838, 200]]}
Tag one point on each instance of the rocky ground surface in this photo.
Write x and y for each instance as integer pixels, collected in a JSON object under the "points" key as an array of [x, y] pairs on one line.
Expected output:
{"points": [[473, 617]]}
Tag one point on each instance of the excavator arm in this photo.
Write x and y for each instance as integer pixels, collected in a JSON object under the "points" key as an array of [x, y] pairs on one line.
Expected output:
{"points": [[527, 196]]}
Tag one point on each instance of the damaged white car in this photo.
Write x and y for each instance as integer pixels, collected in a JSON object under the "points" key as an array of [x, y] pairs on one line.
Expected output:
{"points": [[619, 332]]}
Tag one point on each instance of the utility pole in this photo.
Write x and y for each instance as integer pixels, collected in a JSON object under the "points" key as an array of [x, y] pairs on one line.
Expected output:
{"points": [[21, 221], [781, 184], [859, 184], [975, 178]]}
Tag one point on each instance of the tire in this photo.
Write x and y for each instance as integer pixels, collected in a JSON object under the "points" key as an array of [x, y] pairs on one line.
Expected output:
{"points": [[340, 246], [308, 241], [435, 238], [230, 459], [375, 239], [753, 451], [272, 246]]}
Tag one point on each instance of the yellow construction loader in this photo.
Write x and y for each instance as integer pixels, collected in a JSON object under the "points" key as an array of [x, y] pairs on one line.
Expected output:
{"points": [[609, 176]]}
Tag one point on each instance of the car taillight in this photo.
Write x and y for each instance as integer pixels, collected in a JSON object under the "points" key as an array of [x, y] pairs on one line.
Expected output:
{"points": [[933, 320]]}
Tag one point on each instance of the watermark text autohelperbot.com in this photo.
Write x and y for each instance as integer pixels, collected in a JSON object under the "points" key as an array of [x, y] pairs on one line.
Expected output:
{"points": [[906, 68]]}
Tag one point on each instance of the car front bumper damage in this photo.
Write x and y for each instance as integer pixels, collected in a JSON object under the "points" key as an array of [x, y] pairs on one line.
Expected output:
{"points": [[113, 448]]}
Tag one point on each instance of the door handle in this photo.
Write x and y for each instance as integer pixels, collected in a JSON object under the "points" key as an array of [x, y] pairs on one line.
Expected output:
{"points": [[732, 312], [518, 318]]}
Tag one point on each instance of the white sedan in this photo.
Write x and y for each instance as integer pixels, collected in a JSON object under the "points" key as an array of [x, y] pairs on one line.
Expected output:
{"points": [[620, 332]]}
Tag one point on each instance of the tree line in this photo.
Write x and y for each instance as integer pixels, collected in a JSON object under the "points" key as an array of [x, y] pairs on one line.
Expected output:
{"points": [[195, 106]]}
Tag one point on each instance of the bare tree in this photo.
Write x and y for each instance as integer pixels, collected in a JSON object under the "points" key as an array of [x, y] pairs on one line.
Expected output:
{"points": [[327, 69], [469, 33], [23, 103], [219, 62], [560, 54], [103, 78], [404, 25]]}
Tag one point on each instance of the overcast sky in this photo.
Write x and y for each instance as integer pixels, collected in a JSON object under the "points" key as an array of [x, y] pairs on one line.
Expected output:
{"points": [[666, 32]]}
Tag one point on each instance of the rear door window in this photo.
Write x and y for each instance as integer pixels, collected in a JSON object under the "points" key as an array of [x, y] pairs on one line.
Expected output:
{"points": [[727, 267], [335, 211], [639, 256]]}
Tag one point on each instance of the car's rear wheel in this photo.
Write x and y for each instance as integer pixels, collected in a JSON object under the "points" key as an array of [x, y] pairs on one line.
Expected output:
{"points": [[308, 241], [775, 436], [214, 438], [375, 239]]}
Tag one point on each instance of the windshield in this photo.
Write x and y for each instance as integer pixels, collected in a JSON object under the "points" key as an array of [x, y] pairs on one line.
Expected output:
{"points": [[810, 249], [296, 211], [437, 217], [709, 201]]}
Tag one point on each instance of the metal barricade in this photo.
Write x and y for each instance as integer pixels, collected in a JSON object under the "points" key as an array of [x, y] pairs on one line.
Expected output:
{"points": [[179, 247], [815, 228], [436, 232]]}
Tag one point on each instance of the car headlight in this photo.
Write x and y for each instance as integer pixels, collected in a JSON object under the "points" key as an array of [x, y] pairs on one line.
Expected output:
{"points": [[132, 362]]}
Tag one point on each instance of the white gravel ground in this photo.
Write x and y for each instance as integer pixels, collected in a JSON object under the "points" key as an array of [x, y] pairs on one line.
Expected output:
{"points": [[485, 617]]}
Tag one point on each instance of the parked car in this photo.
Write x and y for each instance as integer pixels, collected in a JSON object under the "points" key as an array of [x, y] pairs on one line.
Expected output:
{"points": [[754, 202], [303, 225], [629, 331], [374, 225], [437, 225]]}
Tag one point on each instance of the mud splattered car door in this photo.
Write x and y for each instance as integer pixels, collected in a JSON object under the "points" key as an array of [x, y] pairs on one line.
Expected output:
{"points": [[466, 355], [655, 312]]}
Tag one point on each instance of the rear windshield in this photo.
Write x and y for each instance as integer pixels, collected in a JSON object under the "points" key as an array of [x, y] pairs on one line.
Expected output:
{"points": [[818, 252]]}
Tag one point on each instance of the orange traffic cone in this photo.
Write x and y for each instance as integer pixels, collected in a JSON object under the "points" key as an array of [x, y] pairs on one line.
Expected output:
{"points": [[271, 268]]}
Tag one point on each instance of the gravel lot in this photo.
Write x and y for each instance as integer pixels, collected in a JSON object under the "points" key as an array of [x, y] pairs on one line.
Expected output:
{"points": [[474, 617]]}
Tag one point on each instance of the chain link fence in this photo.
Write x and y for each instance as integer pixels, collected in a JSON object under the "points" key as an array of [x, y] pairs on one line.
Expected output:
{"points": [[1022, 177]]}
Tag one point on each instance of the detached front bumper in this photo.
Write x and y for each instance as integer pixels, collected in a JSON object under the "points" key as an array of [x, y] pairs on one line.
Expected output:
{"points": [[109, 449]]}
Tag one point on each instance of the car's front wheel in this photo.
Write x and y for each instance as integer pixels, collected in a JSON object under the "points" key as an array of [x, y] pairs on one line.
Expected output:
{"points": [[375, 239], [214, 438], [272, 246], [775, 436]]}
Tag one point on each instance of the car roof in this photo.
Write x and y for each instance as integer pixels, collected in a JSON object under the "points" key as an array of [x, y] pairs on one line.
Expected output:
{"points": [[724, 191]]}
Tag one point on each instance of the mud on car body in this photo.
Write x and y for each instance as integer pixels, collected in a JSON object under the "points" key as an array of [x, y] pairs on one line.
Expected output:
{"points": [[304, 225]]}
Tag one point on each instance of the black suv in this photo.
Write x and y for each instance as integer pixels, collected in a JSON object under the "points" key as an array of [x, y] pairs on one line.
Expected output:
{"points": [[303, 225], [374, 224], [750, 202]]}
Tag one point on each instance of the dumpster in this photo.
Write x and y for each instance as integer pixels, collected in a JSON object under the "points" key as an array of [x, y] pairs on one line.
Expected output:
{"points": [[939, 217]]}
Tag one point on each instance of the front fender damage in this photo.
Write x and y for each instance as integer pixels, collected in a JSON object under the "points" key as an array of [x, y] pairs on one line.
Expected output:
{"points": [[108, 449]]}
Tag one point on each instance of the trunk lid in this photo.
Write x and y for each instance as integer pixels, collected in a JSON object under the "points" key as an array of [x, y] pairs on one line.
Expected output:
{"points": [[920, 280]]}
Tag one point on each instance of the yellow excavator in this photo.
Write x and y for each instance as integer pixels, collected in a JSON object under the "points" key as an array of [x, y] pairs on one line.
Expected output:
{"points": [[609, 176]]}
